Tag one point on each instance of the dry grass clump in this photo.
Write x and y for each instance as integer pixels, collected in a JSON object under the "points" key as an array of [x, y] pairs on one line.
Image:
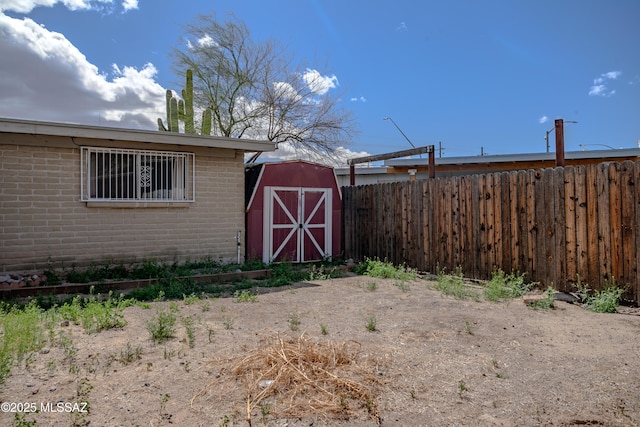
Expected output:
{"points": [[299, 378]]}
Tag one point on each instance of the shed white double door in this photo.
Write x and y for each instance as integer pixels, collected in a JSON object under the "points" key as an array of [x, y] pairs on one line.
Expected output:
{"points": [[297, 224]]}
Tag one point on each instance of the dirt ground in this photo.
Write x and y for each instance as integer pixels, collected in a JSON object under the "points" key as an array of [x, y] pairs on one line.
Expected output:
{"points": [[432, 360]]}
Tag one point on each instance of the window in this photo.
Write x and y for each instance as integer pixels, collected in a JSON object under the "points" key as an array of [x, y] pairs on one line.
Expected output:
{"points": [[136, 175]]}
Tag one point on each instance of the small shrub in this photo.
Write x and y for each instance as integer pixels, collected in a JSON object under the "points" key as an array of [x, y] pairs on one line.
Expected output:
{"points": [[506, 286], [371, 324], [162, 326], [294, 321], [454, 285], [245, 296], [97, 316], [227, 322], [323, 273], [604, 301], [190, 299], [545, 303], [384, 270], [284, 274], [462, 387], [129, 354], [187, 322], [403, 286]]}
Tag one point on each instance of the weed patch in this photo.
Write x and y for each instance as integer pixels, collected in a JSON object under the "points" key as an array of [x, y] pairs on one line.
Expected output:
{"points": [[506, 286], [384, 270], [603, 301], [162, 326], [454, 285], [545, 303]]}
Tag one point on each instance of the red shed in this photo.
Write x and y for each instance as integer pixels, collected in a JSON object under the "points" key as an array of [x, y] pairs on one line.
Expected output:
{"points": [[293, 212]]}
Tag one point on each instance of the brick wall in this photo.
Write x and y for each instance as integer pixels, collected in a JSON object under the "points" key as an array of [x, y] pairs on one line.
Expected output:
{"points": [[42, 219]]}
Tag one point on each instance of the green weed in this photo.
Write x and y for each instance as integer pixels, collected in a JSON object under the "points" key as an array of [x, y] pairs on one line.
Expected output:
{"points": [[403, 286], [371, 324], [190, 299], [545, 303], [506, 286], [294, 321], [454, 285], [245, 296], [462, 387], [603, 301], [227, 322], [187, 322], [162, 326], [384, 270], [130, 354], [323, 272]]}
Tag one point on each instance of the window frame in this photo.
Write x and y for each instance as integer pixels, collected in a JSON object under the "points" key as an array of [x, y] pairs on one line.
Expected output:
{"points": [[123, 175]]}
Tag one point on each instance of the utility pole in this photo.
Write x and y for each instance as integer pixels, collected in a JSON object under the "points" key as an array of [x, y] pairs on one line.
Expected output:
{"points": [[440, 149]]}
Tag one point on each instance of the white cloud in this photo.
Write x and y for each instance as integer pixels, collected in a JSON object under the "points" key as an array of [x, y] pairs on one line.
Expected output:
{"points": [[206, 41], [318, 83], [285, 90], [356, 99], [339, 158], [402, 27], [26, 6], [129, 4], [543, 119], [599, 87], [612, 74], [45, 77]]}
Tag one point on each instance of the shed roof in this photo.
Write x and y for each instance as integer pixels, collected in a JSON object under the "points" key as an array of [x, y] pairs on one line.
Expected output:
{"points": [[119, 134]]}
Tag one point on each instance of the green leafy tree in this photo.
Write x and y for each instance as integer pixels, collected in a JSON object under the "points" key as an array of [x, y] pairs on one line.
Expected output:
{"points": [[254, 91]]}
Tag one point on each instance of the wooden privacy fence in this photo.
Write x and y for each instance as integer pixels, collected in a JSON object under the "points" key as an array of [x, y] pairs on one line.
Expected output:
{"points": [[555, 225]]}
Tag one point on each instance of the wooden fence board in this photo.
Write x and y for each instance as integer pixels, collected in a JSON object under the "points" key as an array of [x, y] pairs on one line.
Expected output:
{"points": [[514, 222], [581, 225], [551, 224], [560, 229], [570, 224], [628, 225], [604, 227], [634, 294], [615, 220]]}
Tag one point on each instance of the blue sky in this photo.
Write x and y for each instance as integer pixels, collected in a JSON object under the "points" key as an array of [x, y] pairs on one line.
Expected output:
{"points": [[474, 75]]}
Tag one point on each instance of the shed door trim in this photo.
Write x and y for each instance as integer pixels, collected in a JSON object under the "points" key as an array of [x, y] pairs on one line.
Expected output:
{"points": [[299, 225]]}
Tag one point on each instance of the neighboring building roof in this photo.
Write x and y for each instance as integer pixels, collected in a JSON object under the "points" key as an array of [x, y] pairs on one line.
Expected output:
{"points": [[397, 169], [119, 134], [516, 158]]}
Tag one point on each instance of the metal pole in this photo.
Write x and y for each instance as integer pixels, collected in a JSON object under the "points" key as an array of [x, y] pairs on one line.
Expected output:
{"points": [[400, 130]]}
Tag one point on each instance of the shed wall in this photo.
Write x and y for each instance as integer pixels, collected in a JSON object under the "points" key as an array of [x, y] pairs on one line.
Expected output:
{"points": [[291, 174], [42, 219]]}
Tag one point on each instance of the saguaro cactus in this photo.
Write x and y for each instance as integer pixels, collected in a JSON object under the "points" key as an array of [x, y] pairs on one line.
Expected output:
{"points": [[182, 110]]}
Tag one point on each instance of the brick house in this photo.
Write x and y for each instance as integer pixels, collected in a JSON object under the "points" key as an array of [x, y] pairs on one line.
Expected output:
{"points": [[82, 194]]}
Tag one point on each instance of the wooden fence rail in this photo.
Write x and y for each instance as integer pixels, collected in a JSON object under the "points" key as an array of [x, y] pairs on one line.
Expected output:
{"points": [[555, 225]]}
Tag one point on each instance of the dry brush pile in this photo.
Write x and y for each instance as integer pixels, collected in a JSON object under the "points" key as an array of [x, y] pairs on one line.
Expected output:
{"points": [[298, 377]]}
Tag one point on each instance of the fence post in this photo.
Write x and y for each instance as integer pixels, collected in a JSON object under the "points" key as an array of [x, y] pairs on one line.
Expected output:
{"points": [[559, 127]]}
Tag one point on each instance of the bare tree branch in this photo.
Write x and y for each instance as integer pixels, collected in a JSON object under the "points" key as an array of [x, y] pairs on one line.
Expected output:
{"points": [[253, 90]]}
